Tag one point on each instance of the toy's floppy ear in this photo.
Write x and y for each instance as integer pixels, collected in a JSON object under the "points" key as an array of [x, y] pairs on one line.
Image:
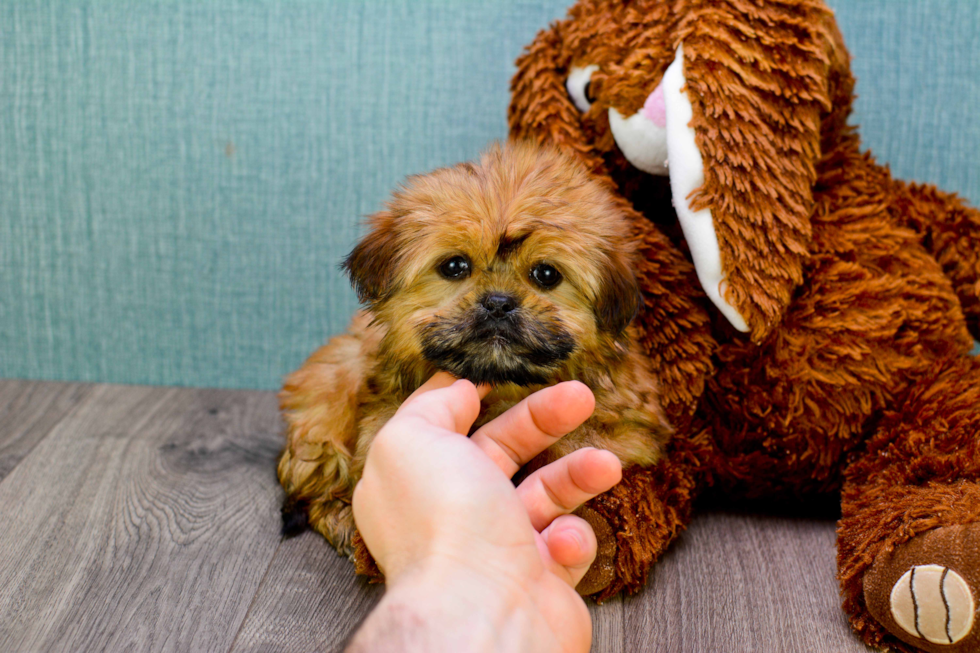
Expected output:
{"points": [[371, 264], [755, 109], [540, 109]]}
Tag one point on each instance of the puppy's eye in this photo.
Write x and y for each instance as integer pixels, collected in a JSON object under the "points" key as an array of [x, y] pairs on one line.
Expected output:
{"points": [[455, 268], [579, 86], [545, 276]]}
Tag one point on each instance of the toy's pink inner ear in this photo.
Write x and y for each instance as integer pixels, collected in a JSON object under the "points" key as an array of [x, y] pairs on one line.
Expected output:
{"points": [[654, 109]]}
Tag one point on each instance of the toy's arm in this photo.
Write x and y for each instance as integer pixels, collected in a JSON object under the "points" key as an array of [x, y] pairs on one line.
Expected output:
{"points": [[636, 521], [950, 230], [673, 325]]}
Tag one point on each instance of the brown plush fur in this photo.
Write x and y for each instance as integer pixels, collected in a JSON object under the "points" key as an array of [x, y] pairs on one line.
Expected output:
{"points": [[860, 291], [519, 206]]}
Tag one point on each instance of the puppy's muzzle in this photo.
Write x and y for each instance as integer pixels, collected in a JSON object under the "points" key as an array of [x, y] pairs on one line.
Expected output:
{"points": [[497, 341]]}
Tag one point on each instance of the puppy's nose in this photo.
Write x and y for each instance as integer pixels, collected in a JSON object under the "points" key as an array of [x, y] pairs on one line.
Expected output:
{"points": [[498, 305]]}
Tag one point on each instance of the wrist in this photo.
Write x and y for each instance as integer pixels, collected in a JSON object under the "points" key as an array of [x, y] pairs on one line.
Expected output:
{"points": [[445, 605], [481, 603]]}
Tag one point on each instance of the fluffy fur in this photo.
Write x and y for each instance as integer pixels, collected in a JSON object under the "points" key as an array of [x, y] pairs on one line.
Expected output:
{"points": [[860, 291], [518, 208]]}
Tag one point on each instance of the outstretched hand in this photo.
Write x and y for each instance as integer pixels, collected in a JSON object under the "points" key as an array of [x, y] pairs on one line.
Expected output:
{"points": [[473, 563]]}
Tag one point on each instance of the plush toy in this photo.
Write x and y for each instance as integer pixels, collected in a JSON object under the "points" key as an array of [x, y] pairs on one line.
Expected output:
{"points": [[808, 316]]}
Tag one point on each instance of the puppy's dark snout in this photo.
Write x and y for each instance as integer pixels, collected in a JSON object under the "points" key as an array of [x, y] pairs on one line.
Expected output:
{"points": [[498, 305]]}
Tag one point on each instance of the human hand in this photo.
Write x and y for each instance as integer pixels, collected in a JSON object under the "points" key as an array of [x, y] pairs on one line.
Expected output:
{"points": [[494, 566]]}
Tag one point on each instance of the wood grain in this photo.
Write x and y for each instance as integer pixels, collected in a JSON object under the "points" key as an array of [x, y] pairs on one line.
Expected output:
{"points": [[145, 521], [736, 582], [608, 626], [28, 412], [310, 600]]}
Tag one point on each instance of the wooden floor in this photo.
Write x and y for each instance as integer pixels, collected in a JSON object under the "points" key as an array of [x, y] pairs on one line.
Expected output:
{"points": [[138, 518]]}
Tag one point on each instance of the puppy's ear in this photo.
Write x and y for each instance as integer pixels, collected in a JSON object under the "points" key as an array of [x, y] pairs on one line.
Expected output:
{"points": [[619, 298], [371, 264]]}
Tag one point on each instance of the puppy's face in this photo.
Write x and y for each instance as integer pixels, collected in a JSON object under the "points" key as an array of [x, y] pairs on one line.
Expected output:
{"points": [[502, 271]]}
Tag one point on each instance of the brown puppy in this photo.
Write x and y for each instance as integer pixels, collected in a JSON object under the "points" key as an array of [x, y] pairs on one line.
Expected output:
{"points": [[516, 271]]}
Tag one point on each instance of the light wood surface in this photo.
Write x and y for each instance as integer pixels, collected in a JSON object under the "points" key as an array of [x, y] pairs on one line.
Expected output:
{"points": [[146, 519]]}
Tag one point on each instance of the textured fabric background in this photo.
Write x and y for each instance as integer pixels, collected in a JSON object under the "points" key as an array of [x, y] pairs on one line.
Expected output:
{"points": [[179, 179]]}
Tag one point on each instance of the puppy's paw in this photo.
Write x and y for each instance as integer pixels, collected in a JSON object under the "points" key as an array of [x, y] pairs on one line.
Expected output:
{"points": [[331, 518], [334, 520], [927, 591], [319, 490]]}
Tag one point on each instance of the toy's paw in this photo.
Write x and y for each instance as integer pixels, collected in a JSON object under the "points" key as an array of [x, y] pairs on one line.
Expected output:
{"points": [[927, 591], [603, 569]]}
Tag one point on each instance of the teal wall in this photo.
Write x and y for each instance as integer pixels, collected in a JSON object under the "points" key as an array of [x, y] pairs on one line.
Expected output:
{"points": [[178, 178]]}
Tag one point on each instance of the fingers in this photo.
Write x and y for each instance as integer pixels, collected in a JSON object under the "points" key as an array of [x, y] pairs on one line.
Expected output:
{"points": [[534, 424], [557, 489], [445, 401], [571, 546], [443, 380], [436, 381], [562, 486]]}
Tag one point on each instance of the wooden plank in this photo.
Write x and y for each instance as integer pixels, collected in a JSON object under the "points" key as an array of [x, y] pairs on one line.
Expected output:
{"points": [[28, 412], [736, 582], [310, 600], [144, 521], [608, 626]]}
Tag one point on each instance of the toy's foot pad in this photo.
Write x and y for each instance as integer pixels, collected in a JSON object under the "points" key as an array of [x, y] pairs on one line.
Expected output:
{"points": [[933, 603], [603, 569], [926, 592]]}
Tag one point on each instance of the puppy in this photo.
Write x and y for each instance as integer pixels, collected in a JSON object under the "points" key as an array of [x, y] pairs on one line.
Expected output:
{"points": [[516, 271]]}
